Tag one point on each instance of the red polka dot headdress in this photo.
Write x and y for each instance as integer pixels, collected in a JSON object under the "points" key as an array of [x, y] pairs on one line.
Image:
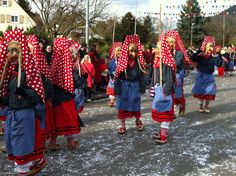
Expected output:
{"points": [[33, 77], [123, 60], [113, 49], [75, 47], [207, 40], [61, 67], [39, 56], [179, 44], [166, 55]]}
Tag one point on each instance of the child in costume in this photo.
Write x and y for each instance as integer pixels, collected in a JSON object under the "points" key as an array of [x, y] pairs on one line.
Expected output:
{"points": [[44, 110], [115, 54], [163, 82], [79, 77], [130, 82], [181, 59], [205, 88], [22, 89], [64, 108]]}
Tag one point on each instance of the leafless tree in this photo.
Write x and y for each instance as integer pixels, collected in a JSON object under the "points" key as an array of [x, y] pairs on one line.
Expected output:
{"points": [[63, 16]]}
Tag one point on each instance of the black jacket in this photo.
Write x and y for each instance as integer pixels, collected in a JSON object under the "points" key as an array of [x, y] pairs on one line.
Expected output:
{"points": [[48, 88], [205, 65], [132, 74], [168, 81], [29, 97], [179, 61], [60, 95]]}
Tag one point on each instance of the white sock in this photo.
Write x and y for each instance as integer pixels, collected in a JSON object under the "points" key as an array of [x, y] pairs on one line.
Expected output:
{"points": [[165, 125], [23, 168]]}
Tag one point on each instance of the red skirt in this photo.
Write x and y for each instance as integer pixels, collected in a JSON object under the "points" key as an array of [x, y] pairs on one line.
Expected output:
{"points": [[38, 147], [126, 114], [66, 118], [204, 97], [3, 118], [163, 116], [50, 129]]}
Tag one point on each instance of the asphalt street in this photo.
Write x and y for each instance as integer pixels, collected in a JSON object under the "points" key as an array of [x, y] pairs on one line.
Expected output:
{"points": [[199, 145]]}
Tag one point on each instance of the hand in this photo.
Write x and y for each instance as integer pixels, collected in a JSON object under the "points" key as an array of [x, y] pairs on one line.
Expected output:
{"points": [[20, 92]]}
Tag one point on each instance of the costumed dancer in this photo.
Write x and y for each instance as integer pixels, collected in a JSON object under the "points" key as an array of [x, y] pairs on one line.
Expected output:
{"points": [[129, 82], [229, 63], [163, 89], [181, 59], [95, 59], [64, 109], [79, 77], [3, 109], [22, 88], [232, 56], [115, 54], [44, 110], [205, 88], [220, 68]]}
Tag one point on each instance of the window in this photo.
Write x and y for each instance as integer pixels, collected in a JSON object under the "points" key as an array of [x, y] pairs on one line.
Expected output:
{"points": [[5, 2], [14, 19]]}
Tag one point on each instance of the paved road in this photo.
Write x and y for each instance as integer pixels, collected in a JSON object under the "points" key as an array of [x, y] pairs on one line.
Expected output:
{"points": [[199, 144]]}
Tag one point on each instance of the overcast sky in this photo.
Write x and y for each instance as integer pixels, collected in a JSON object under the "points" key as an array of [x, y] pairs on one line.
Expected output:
{"points": [[169, 7], [123, 6]]}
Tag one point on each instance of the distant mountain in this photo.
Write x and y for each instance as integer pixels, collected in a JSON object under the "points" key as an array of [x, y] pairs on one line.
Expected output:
{"points": [[215, 26]]}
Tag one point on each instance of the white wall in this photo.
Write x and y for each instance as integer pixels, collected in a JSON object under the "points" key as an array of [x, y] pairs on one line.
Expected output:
{"points": [[13, 9]]}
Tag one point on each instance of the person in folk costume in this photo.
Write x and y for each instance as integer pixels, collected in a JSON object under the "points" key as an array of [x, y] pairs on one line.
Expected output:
{"points": [[90, 70], [218, 56], [64, 108], [163, 83], [232, 56], [82, 50], [3, 108], [229, 64], [115, 54], [95, 59], [129, 82], [3, 111], [44, 110], [48, 54], [21, 90], [181, 58], [205, 88], [79, 77]]}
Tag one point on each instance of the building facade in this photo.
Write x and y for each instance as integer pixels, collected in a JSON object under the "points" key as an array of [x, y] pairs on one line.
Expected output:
{"points": [[11, 14]]}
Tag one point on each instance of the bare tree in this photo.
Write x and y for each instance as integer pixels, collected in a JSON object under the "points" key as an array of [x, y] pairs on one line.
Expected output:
{"points": [[63, 16]]}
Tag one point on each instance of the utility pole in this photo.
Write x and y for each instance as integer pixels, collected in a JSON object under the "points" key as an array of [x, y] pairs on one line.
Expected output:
{"points": [[160, 24], [87, 25], [224, 13], [135, 22], [114, 31], [191, 35]]}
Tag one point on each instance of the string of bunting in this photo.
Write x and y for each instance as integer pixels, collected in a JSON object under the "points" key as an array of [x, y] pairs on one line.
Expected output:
{"points": [[177, 15], [212, 8]]}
